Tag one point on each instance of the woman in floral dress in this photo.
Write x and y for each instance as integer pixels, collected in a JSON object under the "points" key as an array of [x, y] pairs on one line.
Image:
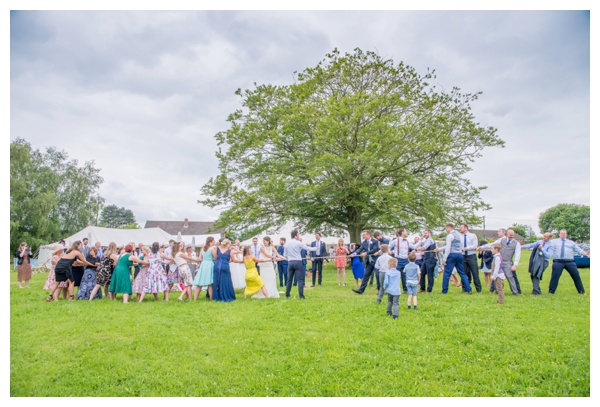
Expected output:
{"points": [[156, 279]]}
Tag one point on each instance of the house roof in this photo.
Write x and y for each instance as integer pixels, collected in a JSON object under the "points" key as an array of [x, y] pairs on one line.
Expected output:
{"points": [[492, 234], [174, 227]]}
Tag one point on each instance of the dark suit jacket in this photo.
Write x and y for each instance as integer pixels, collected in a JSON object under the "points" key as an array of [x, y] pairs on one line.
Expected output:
{"points": [[280, 251], [322, 252], [364, 247]]}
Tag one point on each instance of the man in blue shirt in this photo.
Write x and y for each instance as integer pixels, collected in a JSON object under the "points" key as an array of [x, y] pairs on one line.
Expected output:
{"points": [[293, 251], [562, 251], [544, 246]]}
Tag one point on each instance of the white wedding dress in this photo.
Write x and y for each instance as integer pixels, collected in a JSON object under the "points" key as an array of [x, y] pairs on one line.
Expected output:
{"points": [[267, 274], [238, 273]]}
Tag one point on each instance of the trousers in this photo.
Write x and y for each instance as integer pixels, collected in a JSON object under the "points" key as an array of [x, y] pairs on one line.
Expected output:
{"points": [[557, 268], [296, 270], [455, 260]]}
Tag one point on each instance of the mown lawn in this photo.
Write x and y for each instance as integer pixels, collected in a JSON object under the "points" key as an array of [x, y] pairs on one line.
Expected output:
{"points": [[336, 343]]}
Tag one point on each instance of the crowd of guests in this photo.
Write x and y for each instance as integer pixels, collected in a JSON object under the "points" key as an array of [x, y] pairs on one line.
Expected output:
{"points": [[221, 267]]}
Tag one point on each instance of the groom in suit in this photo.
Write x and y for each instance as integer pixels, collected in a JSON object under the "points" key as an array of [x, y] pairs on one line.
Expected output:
{"points": [[367, 249], [317, 263]]}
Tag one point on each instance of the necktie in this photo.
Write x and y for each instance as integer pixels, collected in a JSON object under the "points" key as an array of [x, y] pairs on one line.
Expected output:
{"points": [[465, 242], [562, 249], [398, 247], [508, 242]]}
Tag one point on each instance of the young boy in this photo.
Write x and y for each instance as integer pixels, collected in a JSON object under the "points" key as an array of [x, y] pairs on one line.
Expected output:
{"points": [[391, 283], [413, 274], [381, 266], [498, 272]]}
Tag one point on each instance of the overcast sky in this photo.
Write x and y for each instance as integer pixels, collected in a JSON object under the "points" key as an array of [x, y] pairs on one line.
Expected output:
{"points": [[144, 93]]}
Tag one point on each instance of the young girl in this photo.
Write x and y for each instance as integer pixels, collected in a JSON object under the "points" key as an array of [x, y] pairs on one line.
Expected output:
{"points": [[358, 268], [486, 257], [341, 251], [204, 276], [253, 281]]}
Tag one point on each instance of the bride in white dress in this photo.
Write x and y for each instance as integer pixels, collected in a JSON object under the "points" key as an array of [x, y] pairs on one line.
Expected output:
{"points": [[238, 270], [267, 269]]}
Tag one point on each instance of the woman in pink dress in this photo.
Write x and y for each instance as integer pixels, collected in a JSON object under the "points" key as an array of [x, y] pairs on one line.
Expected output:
{"points": [[341, 251]]}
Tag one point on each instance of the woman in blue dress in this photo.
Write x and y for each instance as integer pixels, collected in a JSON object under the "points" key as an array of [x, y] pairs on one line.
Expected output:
{"points": [[88, 281], [358, 268], [222, 285], [204, 276]]}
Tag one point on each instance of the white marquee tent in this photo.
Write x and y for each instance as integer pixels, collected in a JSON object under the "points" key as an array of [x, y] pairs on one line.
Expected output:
{"points": [[286, 232], [105, 236]]}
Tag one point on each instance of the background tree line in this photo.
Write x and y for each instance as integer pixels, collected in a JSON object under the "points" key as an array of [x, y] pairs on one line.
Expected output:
{"points": [[52, 196]]}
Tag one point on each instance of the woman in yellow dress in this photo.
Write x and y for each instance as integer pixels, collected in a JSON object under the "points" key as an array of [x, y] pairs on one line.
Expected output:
{"points": [[253, 281]]}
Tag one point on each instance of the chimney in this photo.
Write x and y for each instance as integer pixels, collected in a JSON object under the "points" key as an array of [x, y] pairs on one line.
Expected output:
{"points": [[185, 223]]}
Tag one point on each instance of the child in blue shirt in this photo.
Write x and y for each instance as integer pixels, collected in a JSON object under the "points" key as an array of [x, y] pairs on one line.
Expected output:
{"points": [[391, 283], [413, 274]]}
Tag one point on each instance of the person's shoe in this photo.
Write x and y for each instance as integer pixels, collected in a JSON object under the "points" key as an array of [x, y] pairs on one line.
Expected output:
{"points": [[583, 293], [421, 291], [395, 317], [415, 307], [357, 291], [389, 314], [378, 302], [312, 285]]}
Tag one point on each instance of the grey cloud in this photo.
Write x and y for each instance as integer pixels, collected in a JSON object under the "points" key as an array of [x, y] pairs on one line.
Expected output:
{"points": [[150, 90]]}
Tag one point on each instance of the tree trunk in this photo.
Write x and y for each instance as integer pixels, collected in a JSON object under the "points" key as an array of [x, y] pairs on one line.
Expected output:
{"points": [[354, 232]]}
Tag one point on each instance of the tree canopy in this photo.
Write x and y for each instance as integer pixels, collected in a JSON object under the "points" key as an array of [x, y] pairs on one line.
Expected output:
{"points": [[524, 230], [572, 217], [50, 195], [355, 142], [113, 216]]}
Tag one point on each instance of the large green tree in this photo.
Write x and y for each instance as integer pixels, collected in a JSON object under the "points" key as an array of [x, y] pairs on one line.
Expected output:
{"points": [[113, 216], [356, 142], [572, 217], [50, 195]]}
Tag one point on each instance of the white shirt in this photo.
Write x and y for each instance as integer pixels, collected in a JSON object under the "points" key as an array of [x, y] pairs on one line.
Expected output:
{"points": [[169, 253], [400, 247], [472, 243], [382, 263], [446, 248]]}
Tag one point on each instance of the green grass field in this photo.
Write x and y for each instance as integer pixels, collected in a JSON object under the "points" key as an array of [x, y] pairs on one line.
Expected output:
{"points": [[336, 343]]}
